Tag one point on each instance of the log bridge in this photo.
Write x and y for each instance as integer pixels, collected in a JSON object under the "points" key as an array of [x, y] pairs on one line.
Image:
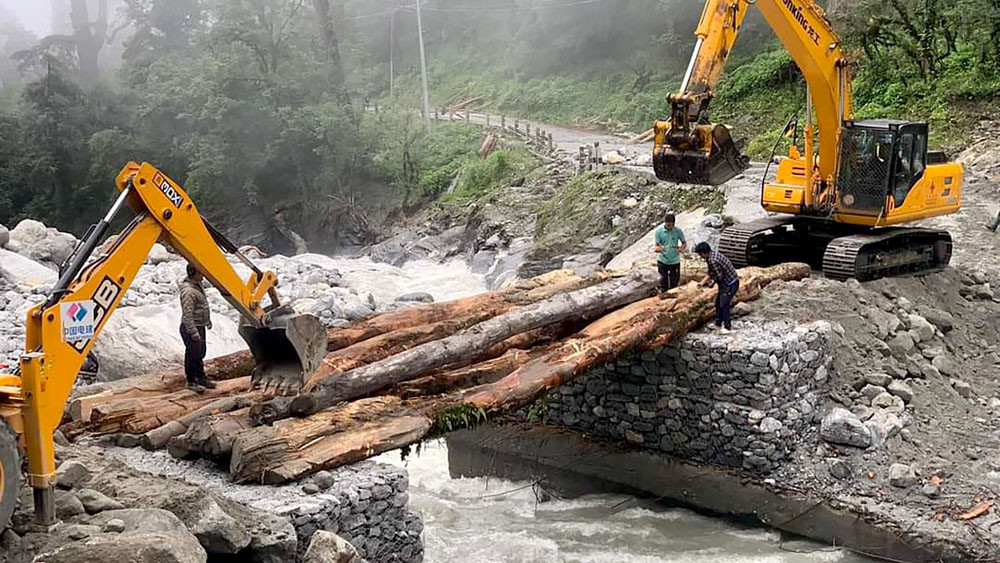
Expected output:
{"points": [[400, 377]]}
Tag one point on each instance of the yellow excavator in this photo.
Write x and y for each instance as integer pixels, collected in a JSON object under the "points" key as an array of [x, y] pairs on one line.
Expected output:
{"points": [[62, 330], [841, 201]]}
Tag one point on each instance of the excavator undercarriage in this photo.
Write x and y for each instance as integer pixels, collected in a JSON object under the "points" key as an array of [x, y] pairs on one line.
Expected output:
{"points": [[841, 251]]}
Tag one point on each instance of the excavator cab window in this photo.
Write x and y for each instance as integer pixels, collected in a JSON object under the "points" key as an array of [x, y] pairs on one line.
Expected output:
{"points": [[911, 155]]}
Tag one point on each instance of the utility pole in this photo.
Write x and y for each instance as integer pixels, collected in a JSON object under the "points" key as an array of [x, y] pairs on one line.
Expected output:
{"points": [[392, 45], [423, 69]]}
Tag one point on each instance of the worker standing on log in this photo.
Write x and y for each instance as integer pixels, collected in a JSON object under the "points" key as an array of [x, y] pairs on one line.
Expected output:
{"points": [[670, 242], [195, 320], [721, 272]]}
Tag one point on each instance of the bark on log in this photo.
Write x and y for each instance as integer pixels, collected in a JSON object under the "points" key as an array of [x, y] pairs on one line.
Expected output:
{"points": [[158, 438], [586, 303], [523, 292], [211, 436], [294, 448], [140, 411]]}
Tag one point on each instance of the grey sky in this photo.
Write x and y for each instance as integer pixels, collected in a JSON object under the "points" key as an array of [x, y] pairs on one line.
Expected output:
{"points": [[33, 14]]}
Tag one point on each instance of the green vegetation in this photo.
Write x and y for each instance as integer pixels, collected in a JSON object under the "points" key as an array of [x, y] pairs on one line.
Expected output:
{"points": [[457, 417], [255, 106], [587, 205]]}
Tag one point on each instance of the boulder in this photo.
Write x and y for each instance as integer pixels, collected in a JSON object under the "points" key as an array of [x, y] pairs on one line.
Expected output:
{"points": [[17, 270], [878, 379], [328, 547], [274, 540], [901, 475], [839, 468], [95, 501], [871, 391], [128, 548], [942, 320], [71, 474], [138, 340], [159, 254], [963, 388], [946, 365], [324, 480], [841, 426], [68, 506], [901, 344], [42, 244], [921, 329], [901, 390], [216, 530], [4, 236]]}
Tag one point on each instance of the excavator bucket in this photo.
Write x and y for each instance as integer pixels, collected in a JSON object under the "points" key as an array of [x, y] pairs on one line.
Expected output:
{"points": [[287, 350], [709, 156]]}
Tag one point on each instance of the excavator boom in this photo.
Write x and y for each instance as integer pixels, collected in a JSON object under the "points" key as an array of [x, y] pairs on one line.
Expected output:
{"points": [[61, 331]]}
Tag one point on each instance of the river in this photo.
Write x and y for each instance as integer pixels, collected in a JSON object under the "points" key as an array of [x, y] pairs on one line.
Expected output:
{"points": [[499, 521]]}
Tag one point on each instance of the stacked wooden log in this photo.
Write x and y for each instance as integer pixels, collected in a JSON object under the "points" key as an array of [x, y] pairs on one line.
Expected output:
{"points": [[399, 377]]}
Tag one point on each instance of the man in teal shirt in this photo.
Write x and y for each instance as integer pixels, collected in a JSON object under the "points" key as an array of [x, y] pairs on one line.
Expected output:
{"points": [[670, 242]]}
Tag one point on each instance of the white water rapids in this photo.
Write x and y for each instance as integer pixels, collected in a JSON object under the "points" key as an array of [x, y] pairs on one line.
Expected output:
{"points": [[499, 521]]}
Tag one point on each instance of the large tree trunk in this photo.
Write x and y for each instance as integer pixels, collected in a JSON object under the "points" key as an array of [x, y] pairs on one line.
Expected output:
{"points": [[582, 304], [294, 448], [88, 42], [334, 64]]}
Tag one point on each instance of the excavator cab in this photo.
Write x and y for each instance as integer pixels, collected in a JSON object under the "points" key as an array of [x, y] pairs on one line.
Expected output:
{"points": [[880, 161]]}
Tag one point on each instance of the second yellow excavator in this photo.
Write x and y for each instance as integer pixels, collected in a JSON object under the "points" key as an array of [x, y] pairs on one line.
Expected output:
{"points": [[61, 331], [842, 201]]}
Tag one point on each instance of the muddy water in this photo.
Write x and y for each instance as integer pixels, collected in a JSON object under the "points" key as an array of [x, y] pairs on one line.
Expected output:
{"points": [[498, 521]]}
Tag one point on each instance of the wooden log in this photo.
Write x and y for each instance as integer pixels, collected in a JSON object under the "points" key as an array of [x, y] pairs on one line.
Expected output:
{"points": [[522, 292], [646, 324], [294, 448], [139, 414], [646, 135], [211, 436], [85, 399], [158, 438], [141, 404], [588, 302]]}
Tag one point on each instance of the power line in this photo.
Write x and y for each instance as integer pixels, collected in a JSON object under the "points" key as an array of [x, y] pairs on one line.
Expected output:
{"points": [[522, 9], [479, 10]]}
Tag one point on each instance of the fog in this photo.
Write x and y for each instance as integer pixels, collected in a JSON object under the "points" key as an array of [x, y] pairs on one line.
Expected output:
{"points": [[33, 15]]}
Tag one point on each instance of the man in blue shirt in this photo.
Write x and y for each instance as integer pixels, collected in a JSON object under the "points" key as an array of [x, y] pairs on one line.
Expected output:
{"points": [[670, 242], [721, 272]]}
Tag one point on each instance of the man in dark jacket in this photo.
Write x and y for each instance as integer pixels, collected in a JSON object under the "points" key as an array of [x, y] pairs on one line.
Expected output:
{"points": [[195, 319], [721, 272]]}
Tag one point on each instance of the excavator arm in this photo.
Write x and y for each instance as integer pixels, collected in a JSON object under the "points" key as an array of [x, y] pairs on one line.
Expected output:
{"points": [[689, 148], [61, 331]]}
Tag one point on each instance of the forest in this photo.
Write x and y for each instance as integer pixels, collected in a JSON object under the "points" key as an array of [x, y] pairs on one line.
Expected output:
{"points": [[262, 108]]}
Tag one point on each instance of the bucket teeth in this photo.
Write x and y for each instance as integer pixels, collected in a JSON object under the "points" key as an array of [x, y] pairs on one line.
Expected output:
{"points": [[691, 164], [287, 350]]}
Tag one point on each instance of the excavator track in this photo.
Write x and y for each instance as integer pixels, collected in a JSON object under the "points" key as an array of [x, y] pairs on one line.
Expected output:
{"points": [[864, 256], [743, 243], [886, 253]]}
